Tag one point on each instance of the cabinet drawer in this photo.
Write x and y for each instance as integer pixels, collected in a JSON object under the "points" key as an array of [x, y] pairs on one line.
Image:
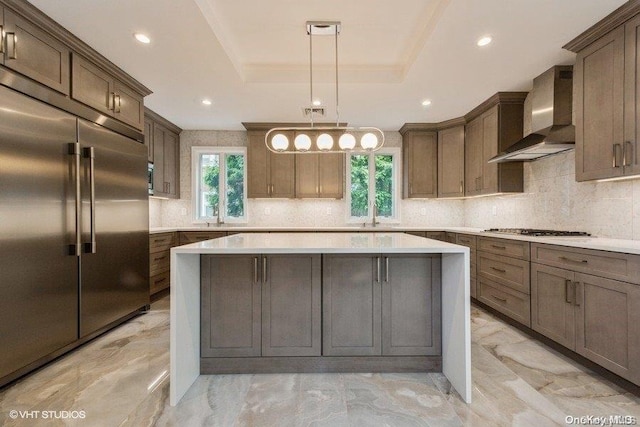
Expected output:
{"points": [[510, 272], [450, 237], [466, 240], [507, 301], [162, 242], [416, 233], [613, 265], [510, 248], [187, 237], [472, 284], [159, 262], [473, 262], [437, 235], [159, 282]]}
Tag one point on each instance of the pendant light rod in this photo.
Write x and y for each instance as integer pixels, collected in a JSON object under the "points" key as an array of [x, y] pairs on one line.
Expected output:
{"points": [[337, 103], [311, 72]]}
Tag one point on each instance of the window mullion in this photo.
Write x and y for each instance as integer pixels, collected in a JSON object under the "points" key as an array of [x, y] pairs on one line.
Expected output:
{"points": [[222, 186], [372, 183]]}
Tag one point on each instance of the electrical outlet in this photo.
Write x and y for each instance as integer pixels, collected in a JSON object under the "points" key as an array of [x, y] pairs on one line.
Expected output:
{"points": [[328, 211], [494, 210], [423, 211], [183, 211], [267, 211]]}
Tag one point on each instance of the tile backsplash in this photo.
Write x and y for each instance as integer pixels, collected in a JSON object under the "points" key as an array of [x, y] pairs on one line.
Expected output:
{"points": [[552, 199]]}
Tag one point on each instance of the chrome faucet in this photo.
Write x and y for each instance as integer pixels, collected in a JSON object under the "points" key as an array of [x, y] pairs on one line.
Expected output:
{"points": [[219, 220], [374, 220]]}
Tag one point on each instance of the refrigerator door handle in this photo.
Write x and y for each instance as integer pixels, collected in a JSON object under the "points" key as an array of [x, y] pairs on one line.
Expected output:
{"points": [[75, 248], [89, 153]]}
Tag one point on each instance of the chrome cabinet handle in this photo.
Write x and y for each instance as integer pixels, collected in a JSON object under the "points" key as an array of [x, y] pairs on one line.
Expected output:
{"points": [[500, 270], [89, 153], [255, 269], [461, 186], [117, 103], [112, 102], [580, 261], [264, 269], [498, 247], [378, 270], [160, 258], [74, 150], [14, 45], [567, 284], [386, 269], [1, 39], [499, 299]]}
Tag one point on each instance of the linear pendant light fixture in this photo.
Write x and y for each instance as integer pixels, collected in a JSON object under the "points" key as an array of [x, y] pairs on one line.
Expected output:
{"points": [[329, 139]]}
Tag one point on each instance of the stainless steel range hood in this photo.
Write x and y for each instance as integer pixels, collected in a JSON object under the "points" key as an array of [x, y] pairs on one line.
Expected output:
{"points": [[551, 102]]}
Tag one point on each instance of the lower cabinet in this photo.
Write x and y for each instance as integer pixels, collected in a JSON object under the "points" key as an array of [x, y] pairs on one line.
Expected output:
{"points": [[254, 305], [381, 305], [596, 317], [159, 260]]}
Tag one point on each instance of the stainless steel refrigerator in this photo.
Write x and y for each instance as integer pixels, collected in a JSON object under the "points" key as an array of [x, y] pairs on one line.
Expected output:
{"points": [[74, 222]]}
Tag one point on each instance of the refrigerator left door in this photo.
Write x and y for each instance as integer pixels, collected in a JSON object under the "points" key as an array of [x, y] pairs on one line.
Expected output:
{"points": [[38, 276]]}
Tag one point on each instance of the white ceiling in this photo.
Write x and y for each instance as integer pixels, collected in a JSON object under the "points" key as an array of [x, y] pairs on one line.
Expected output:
{"points": [[251, 57]]}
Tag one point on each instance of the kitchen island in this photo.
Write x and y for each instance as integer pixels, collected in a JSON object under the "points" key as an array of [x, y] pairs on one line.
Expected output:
{"points": [[381, 251]]}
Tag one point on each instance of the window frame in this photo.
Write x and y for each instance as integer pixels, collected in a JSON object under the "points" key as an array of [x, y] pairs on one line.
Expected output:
{"points": [[196, 175], [396, 152]]}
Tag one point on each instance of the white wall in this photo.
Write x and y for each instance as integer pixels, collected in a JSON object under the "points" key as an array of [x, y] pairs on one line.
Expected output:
{"points": [[294, 212]]}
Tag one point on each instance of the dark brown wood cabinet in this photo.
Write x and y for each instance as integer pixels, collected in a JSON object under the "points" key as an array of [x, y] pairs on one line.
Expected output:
{"points": [[451, 162], [257, 305], [492, 127], [159, 260], [319, 175], [100, 90], [420, 163], [269, 174], [31, 51], [163, 141]]}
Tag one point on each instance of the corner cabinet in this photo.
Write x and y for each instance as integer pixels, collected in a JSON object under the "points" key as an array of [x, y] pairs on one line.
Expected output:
{"points": [[420, 163], [606, 76], [492, 127], [269, 174], [162, 139]]}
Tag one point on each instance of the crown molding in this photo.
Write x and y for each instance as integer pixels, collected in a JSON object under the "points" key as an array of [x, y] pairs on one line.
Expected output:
{"points": [[161, 120], [498, 98]]}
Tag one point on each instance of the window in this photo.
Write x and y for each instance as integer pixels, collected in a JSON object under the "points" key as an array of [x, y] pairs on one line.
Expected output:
{"points": [[372, 180], [219, 184]]}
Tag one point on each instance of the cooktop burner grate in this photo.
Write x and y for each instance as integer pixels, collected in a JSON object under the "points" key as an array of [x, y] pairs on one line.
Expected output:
{"points": [[537, 232]]}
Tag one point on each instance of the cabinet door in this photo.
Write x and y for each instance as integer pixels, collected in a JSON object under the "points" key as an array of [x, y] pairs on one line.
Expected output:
{"points": [[92, 86], [490, 142], [552, 304], [172, 164], [421, 164], [307, 175], [473, 157], [451, 162], [351, 308], [631, 96], [282, 171], [33, 52], [230, 304], [148, 137], [331, 175], [159, 183], [291, 305], [258, 156], [129, 106], [599, 102], [608, 324], [411, 305]]}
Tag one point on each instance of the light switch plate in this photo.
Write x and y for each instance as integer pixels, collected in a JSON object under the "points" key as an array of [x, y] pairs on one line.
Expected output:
{"points": [[267, 211]]}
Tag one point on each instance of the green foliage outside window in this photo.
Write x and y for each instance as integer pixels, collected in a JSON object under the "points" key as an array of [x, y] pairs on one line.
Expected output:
{"points": [[360, 185], [234, 184]]}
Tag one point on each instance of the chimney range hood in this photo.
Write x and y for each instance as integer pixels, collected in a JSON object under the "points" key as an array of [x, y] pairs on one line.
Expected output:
{"points": [[551, 102]]}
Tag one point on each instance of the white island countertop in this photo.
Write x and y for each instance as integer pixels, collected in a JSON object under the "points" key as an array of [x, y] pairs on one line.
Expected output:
{"points": [[185, 292]]}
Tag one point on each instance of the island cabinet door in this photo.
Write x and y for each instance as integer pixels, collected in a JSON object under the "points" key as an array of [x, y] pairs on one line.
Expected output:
{"points": [[411, 305], [230, 305], [291, 292], [351, 308]]}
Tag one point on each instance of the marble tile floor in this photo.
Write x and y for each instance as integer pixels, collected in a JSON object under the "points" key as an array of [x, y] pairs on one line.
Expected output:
{"points": [[121, 379]]}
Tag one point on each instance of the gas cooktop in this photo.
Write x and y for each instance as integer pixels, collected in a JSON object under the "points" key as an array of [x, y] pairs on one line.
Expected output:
{"points": [[537, 232]]}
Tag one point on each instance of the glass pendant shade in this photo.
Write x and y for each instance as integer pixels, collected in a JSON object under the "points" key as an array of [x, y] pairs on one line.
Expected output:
{"points": [[302, 142], [369, 141], [279, 142], [324, 142], [347, 141]]}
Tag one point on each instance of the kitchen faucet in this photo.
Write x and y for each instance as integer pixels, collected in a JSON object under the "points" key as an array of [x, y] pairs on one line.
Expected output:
{"points": [[374, 220], [219, 220]]}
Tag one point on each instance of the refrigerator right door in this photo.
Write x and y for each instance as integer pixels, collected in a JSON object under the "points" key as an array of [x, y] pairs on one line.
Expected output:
{"points": [[115, 227], [38, 269]]}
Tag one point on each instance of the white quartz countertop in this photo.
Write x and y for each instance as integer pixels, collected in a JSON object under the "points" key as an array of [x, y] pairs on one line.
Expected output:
{"points": [[251, 243], [345, 228]]}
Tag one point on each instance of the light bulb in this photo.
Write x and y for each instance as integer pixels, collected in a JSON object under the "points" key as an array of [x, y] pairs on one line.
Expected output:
{"points": [[347, 141], [324, 142], [369, 141], [142, 38], [279, 142], [484, 41], [302, 142]]}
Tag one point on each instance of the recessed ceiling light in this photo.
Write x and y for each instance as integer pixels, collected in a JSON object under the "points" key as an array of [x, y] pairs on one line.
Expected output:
{"points": [[426, 102], [317, 102], [142, 38], [206, 101], [484, 41]]}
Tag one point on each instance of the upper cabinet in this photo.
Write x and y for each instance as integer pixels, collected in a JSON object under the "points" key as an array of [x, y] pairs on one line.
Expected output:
{"points": [[420, 161], [606, 77], [451, 161], [100, 90], [320, 175], [492, 127], [162, 139], [269, 174]]}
